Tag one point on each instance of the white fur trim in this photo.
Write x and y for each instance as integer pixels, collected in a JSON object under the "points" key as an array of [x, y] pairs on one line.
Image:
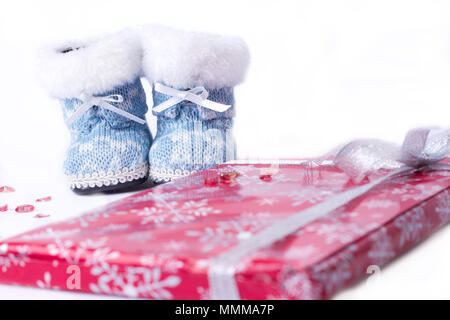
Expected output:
{"points": [[184, 59], [97, 66]]}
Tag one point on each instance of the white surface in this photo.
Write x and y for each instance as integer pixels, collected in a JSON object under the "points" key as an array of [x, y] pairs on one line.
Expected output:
{"points": [[322, 72]]}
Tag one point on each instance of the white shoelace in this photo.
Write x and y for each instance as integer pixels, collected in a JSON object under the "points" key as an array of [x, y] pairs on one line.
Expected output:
{"points": [[103, 103], [197, 95]]}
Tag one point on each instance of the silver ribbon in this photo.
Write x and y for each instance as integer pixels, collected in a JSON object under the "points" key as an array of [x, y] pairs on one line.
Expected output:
{"points": [[422, 149]]}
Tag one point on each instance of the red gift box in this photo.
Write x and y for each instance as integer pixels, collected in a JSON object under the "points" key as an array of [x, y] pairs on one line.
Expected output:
{"points": [[161, 243]]}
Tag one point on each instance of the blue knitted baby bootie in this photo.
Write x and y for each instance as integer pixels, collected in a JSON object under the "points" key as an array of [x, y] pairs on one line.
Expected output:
{"points": [[191, 137], [193, 76], [104, 106]]}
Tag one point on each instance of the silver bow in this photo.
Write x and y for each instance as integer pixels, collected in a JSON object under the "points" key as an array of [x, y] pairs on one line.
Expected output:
{"points": [[422, 149]]}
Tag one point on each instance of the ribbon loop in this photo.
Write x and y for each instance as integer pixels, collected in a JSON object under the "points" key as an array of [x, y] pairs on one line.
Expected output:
{"points": [[103, 102], [424, 147], [113, 98], [359, 159], [197, 95]]}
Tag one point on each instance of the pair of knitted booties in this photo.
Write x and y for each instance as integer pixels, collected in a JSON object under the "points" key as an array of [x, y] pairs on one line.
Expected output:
{"points": [[104, 104]]}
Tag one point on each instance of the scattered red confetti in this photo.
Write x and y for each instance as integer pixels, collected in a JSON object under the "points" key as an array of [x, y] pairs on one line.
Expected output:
{"points": [[7, 189], [25, 208], [266, 177], [45, 199], [41, 215], [4, 208]]}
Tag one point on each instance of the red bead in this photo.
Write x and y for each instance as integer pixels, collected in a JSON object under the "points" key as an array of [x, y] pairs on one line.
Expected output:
{"points": [[41, 215], [211, 178], [4, 208], [211, 181], [7, 189], [45, 199], [228, 177], [266, 177], [25, 208]]}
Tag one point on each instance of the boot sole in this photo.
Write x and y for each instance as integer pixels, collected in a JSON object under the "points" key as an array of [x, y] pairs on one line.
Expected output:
{"points": [[160, 176], [122, 179], [120, 187]]}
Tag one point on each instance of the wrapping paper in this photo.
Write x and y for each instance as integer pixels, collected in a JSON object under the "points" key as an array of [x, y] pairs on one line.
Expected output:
{"points": [[158, 244]]}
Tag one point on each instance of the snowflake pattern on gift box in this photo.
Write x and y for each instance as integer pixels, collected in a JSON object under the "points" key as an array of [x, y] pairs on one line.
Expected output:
{"points": [[184, 183], [339, 227], [204, 293], [379, 204], [415, 192], [99, 255], [382, 249], [443, 173], [170, 211], [49, 233], [156, 194], [234, 198], [267, 201], [169, 261], [102, 213], [174, 245], [9, 259], [113, 227], [226, 233], [62, 249], [411, 225], [140, 236], [302, 252], [443, 207], [243, 170], [155, 214], [133, 282], [297, 285], [46, 282], [335, 272], [161, 211], [93, 251], [284, 178], [199, 208], [307, 195], [342, 232]]}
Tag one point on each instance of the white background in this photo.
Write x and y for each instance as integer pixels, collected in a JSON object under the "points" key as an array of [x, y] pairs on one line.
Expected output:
{"points": [[322, 72]]}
